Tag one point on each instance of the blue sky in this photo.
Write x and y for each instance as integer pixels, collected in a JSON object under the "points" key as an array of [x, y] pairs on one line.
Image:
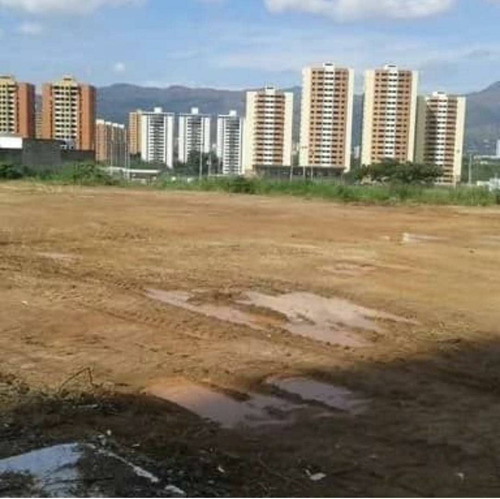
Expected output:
{"points": [[248, 43]]}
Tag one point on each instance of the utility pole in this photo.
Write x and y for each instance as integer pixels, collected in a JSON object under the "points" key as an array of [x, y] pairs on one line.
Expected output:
{"points": [[470, 169], [201, 155]]}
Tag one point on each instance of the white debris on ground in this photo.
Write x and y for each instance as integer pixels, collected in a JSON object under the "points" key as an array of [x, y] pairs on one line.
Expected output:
{"points": [[59, 471]]}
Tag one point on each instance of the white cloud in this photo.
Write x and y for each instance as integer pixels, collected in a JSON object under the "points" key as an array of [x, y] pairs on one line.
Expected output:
{"points": [[30, 28], [119, 67], [347, 10], [61, 6]]}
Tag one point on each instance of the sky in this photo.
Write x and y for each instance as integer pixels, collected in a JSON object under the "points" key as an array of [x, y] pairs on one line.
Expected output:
{"points": [[237, 44]]}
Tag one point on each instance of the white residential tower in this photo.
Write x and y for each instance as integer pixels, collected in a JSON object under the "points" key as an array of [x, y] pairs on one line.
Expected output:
{"points": [[230, 143], [157, 137], [194, 134]]}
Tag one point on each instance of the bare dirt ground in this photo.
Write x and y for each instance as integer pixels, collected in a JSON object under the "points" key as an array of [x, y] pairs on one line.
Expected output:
{"points": [[143, 313]]}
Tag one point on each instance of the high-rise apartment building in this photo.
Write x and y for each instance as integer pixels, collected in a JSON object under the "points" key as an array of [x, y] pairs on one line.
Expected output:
{"points": [[17, 108], [268, 129], [389, 120], [326, 118], [111, 143], [68, 113], [38, 121], [194, 134], [134, 132], [440, 134], [230, 143], [157, 137]]}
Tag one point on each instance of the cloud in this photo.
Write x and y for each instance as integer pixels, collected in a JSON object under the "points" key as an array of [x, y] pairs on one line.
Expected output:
{"points": [[349, 10], [60, 6], [30, 28], [119, 67]]}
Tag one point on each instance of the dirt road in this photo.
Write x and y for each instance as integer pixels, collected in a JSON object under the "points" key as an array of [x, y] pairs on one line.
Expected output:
{"points": [[356, 342]]}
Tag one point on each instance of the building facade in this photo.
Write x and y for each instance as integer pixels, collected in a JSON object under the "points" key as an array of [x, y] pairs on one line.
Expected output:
{"points": [[268, 129], [69, 113], [134, 132], [17, 108], [194, 134], [111, 143], [230, 143], [389, 116], [440, 134], [157, 137], [326, 117]]}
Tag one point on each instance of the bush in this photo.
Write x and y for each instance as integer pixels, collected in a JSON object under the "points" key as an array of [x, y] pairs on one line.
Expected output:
{"points": [[8, 171], [391, 171], [242, 185], [85, 174]]}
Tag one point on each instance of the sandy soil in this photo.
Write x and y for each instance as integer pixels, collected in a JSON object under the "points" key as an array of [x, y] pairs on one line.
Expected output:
{"points": [[398, 306]]}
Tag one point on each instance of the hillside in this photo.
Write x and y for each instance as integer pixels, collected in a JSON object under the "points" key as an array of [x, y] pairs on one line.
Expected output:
{"points": [[483, 118], [116, 101]]}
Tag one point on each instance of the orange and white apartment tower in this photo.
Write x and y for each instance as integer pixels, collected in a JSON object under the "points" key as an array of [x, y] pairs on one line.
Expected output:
{"points": [[17, 108], [268, 129], [327, 114], [134, 132], [389, 119], [69, 113], [440, 134], [111, 143]]}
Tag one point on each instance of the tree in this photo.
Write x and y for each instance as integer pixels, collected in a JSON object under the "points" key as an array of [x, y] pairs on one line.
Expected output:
{"points": [[390, 171], [209, 162]]}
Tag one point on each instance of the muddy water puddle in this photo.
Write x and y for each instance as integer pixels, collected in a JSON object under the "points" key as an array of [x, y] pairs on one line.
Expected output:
{"points": [[207, 403], [329, 320], [182, 300], [309, 390], [71, 470]]}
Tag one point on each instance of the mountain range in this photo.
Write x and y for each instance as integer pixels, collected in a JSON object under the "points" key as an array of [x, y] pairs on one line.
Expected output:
{"points": [[116, 101]]}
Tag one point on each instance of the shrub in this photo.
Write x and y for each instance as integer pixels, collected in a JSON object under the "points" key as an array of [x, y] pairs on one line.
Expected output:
{"points": [[8, 171], [85, 174]]}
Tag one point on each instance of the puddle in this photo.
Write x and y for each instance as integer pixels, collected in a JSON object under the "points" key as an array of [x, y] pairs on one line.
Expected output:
{"points": [[52, 469], [337, 397], [71, 470], [329, 320], [323, 319], [224, 313], [228, 412], [420, 238]]}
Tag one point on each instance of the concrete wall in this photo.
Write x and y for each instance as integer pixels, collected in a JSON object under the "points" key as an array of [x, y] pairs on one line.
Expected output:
{"points": [[76, 156], [34, 154], [41, 154]]}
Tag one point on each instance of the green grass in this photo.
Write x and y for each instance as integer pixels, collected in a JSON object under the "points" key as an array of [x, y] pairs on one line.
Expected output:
{"points": [[334, 191], [91, 175]]}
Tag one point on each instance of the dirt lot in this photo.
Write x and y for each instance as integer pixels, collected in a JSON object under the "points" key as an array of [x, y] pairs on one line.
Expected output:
{"points": [[216, 302]]}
